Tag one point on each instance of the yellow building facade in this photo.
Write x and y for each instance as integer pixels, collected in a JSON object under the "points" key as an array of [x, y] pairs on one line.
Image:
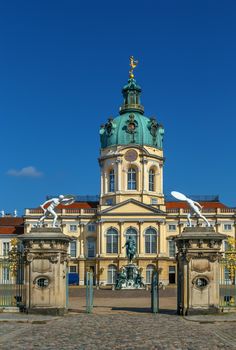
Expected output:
{"points": [[131, 203]]}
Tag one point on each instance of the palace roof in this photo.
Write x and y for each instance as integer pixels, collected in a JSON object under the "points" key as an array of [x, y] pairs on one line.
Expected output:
{"points": [[11, 225]]}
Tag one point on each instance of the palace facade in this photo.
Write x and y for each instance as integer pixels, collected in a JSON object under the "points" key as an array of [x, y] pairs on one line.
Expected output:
{"points": [[131, 202]]}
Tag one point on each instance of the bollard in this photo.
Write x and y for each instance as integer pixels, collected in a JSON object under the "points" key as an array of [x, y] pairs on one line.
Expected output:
{"points": [[155, 293], [89, 292]]}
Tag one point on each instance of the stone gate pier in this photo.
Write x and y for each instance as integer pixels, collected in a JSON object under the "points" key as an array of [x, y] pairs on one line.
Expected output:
{"points": [[198, 259], [46, 270]]}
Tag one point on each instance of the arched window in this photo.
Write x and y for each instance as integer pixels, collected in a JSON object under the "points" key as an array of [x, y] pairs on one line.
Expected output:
{"points": [[111, 274], [132, 183], [151, 180], [149, 272], [131, 232], [112, 180], [91, 247], [150, 241], [112, 241]]}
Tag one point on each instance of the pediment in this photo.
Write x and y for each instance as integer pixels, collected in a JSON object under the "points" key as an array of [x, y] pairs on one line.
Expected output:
{"points": [[131, 207]]}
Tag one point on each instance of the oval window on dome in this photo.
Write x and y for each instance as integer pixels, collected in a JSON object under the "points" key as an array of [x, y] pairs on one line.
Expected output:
{"points": [[131, 155]]}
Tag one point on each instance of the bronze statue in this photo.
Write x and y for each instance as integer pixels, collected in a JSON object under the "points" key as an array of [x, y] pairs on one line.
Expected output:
{"points": [[130, 248]]}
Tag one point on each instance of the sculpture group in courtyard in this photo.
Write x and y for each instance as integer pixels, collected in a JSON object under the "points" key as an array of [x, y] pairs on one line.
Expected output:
{"points": [[195, 207], [52, 204]]}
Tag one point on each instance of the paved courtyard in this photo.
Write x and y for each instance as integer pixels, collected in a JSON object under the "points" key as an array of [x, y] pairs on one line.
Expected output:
{"points": [[120, 321], [108, 301]]}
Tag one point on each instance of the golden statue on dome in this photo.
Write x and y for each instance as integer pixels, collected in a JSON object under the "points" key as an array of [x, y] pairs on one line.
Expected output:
{"points": [[133, 65]]}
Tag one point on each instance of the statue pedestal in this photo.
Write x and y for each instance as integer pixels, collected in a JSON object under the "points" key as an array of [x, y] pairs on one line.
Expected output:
{"points": [[129, 277], [45, 271], [198, 270]]}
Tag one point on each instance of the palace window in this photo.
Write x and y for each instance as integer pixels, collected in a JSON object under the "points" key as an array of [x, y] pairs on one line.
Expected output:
{"points": [[151, 180], [6, 274], [227, 227], [172, 227], [109, 201], [172, 249], [73, 228], [91, 246], [131, 232], [6, 248], [112, 181], [111, 274], [91, 227], [171, 274], [73, 269], [73, 249], [112, 241], [132, 185], [149, 272], [153, 201], [150, 241]]}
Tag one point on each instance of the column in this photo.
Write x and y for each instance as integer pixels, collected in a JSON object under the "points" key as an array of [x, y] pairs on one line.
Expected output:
{"points": [[122, 241], [118, 174], [161, 178], [81, 272], [98, 249], [145, 175], [162, 238], [82, 238], [101, 238], [140, 246]]}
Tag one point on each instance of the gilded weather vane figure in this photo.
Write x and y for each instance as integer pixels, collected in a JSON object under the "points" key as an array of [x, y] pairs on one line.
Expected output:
{"points": [[133, 64]]}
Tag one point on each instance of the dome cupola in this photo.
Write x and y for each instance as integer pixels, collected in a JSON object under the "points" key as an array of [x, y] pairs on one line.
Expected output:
{"points": [[131, 126]]}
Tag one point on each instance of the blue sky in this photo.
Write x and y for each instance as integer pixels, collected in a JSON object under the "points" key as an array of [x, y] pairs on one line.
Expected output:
{"points": [[62, 67]]}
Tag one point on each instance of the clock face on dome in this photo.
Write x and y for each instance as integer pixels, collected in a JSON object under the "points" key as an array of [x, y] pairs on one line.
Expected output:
{"points": [[131, 155]]}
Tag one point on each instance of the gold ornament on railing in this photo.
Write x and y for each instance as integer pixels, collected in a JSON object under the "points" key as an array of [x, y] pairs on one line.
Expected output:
{"points": [[229, 260], [14, 256], [133, 64]]}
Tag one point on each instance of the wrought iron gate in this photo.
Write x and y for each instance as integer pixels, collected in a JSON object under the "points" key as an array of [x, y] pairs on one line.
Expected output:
{"points": [[227, 283], [12, 289]]}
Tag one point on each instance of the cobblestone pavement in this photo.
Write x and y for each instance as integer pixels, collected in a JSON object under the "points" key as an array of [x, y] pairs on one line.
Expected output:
{"points": [[118, 331]]}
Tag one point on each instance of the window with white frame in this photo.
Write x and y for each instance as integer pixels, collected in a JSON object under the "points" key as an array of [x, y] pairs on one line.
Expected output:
{"points": [[151, 180], [112, 241], [150, 241], [153, 201], [73, 228], [172, 249], [111, 274], [227, 227], [6, 248], [91, 247], [149, 272], [172, 227], [132, 185], [92, 227], [73, 249], [112, 181], [73, 269]]}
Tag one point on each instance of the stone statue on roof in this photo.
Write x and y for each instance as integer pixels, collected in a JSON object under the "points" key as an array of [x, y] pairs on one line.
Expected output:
{"points": [[195, 207], [53, 203]]}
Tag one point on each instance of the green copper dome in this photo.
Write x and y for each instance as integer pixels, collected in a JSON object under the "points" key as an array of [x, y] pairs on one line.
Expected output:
{"points": [[131, 126]]}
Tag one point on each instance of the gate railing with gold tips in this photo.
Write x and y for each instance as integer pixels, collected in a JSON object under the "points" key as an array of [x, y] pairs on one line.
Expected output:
{"points": [[227, 283], [12, 290]]}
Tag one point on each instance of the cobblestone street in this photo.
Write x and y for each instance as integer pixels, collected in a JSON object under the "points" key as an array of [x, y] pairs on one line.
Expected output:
{"points": [[127, 331], [119, 321]]}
